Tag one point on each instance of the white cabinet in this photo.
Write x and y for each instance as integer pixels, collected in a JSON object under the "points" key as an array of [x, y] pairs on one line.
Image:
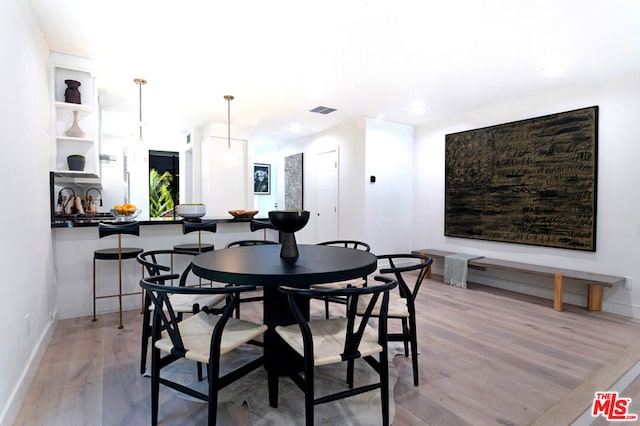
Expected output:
{"points": [[84, 141], [224, 176]]}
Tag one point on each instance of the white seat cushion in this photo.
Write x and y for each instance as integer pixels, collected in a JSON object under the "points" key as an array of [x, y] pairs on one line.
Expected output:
{"points": [[196, 334], [185, 302], [356, 282], [182, 303], [328, 340], [397, 306]]}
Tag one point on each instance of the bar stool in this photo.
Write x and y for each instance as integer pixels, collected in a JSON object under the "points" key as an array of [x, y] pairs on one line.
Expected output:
{"points": [[189, 226], [192, 226], [256, 225], [118, 253]]}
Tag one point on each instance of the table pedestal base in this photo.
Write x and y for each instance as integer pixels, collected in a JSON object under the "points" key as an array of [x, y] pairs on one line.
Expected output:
{"points": [[277, 312]]}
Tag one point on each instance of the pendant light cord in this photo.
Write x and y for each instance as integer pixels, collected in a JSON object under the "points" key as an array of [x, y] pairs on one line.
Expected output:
{"points": [[140, 107], [228, 98], [140, 82]]}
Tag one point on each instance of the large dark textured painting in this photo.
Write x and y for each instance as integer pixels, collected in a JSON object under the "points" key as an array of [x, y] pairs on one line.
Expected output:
{"points": [[528, 182]]}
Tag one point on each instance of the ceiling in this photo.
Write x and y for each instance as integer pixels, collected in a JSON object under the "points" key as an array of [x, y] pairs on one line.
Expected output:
{"points": [[406, 61]]}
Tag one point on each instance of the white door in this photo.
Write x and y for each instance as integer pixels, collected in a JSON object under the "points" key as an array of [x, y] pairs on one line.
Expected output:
{"points": [[327, 196]]}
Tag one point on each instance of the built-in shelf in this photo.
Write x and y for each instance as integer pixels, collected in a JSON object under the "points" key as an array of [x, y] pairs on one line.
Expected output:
{"points": [[65, 114], [77, 178], [72, 139], [73, 174], [74, 107]]}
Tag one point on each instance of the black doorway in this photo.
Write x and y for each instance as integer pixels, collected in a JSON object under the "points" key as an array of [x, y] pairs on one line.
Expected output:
{"points": [[164, 183]]}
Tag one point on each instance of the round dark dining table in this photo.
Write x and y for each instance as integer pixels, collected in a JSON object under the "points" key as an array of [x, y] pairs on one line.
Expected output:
{"points": [[261, 265]]}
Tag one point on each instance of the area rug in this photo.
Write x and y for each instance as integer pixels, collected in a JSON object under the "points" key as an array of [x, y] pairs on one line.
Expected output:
{"points": [[364, 409]]}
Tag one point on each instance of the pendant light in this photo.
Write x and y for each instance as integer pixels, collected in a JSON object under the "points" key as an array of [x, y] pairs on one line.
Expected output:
{"points": [[140, 82], [229, 157]]}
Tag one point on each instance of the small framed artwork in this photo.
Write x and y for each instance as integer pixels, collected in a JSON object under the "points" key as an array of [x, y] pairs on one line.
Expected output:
{"points": [[261, 179]]}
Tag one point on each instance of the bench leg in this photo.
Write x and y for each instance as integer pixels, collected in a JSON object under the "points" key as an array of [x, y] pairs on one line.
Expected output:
{"points": [[594, 298], [557, 292], [422, 261]]}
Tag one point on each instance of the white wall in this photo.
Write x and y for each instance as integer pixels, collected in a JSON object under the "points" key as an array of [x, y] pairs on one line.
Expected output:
{"points": [[388, 204], [618, 220], [367, 212], [349, 139], [27, 292], [111, 173], [196, 141]]}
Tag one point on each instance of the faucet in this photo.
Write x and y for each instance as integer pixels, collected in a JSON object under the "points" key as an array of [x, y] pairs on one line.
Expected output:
{"points": [[86, 195], [62, 203], [62, 190]]}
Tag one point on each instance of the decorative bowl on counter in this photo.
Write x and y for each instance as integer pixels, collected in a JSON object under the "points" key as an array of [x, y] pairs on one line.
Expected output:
{"points": [[125, 217], [191, 211], [243, 214]]}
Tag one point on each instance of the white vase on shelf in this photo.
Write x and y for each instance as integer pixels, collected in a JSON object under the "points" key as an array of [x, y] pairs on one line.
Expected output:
{"points": [[75, 131]]}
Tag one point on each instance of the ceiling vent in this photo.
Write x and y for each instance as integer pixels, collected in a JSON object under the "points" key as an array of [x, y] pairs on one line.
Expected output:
{"points": [[322, 110]]}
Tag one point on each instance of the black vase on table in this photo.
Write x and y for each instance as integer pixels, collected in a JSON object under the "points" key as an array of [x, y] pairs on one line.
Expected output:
{"points": [[288, 222]]}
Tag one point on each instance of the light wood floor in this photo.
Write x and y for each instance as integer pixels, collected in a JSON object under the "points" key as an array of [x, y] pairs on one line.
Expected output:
{"points": [[487, 357]]}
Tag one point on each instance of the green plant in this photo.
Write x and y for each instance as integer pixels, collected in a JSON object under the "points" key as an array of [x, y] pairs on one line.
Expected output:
{"points": [[160, 198]]}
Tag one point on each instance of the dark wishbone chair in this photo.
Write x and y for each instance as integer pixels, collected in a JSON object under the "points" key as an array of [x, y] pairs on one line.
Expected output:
{"points": [[181, 303], [329, 341], [202, 338], [402, 302], [245, 243], [357, 282]]}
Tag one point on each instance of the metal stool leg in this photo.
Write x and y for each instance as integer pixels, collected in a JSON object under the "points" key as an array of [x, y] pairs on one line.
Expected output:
{"points": [[94, 290], [120, 280], [142, 292]]}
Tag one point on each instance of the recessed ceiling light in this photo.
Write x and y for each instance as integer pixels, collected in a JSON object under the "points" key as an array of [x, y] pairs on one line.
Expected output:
{"points": [[294, 128]]}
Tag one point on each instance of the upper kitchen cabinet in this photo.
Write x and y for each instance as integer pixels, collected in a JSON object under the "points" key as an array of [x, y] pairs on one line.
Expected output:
{"points": [[224, 170], [74, 118]]}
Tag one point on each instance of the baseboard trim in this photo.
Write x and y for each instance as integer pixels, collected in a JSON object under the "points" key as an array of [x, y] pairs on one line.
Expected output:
{"points": [[627, 310], [11, 410]]}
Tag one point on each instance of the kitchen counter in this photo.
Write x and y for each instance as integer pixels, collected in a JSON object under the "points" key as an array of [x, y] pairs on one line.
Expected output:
{"points": [[73, 248], [80, 223]]}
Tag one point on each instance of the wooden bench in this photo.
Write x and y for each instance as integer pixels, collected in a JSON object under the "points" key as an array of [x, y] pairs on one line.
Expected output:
{"points": [[434, 254], [595, 282]]}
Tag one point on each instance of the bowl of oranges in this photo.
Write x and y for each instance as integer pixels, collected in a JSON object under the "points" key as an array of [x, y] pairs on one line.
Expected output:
{"points": [[125, 212]]}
